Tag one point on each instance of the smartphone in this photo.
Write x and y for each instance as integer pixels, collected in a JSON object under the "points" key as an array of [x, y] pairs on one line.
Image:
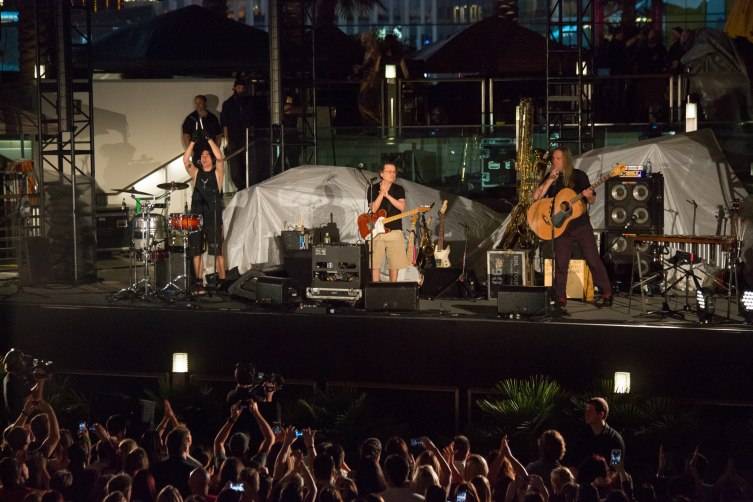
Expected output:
{"points": [[81, 427], [236, 487], [615, 457], [460, 497], [298, 433], [276, 429]]}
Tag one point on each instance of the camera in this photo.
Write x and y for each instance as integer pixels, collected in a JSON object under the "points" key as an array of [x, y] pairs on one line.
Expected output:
{"points": [[27, 366], [253, 385]]}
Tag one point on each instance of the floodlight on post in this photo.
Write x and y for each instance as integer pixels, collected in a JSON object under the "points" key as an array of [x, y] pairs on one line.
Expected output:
{"points": [[691, 117], [622, 382], [705, 306], [179, 370], [390, 76]]}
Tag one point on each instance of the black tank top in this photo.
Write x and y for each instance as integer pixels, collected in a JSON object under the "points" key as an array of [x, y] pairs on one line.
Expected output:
{"points": [[205, 190]]}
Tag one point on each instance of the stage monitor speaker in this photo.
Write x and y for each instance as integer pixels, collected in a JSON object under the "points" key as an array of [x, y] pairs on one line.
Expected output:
{"points": [[275, 291], [522, 301], [245, 286], [392, 296], [635, 204]]}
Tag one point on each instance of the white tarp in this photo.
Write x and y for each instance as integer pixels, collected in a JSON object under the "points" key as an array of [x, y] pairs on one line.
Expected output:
{"points": [[694, 169], [309, 195]]}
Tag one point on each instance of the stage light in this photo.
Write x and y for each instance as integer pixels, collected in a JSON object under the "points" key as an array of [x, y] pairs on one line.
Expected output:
{"points": [[705, 304], [622, 382], [747, 305], [390, 71], [180, 362]]}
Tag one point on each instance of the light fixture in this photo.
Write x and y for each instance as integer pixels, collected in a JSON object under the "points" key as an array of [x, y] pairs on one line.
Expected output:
{"points": [[180, 362], [746, 302], [705, 304], [622, 382], [390, 71], [691, 117]]}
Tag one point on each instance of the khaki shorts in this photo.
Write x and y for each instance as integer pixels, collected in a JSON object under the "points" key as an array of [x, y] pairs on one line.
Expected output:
{"points": [[392, 246]]}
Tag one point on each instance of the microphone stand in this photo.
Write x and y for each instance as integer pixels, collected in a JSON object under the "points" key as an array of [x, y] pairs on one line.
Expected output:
{"points": [[693, 203]]}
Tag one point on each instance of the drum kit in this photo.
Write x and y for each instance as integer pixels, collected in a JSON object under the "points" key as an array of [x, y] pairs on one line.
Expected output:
{"points": [[154, 237]]}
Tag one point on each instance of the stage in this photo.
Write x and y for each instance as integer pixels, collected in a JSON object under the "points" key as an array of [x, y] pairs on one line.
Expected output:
{"points": [[448, 342]]}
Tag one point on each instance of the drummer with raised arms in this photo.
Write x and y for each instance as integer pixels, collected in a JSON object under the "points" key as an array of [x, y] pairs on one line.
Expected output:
{"points": [[208, 175]]}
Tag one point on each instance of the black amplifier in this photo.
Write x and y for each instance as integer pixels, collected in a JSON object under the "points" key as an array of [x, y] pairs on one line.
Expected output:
{"points": [[112, 229], [340, 266]]}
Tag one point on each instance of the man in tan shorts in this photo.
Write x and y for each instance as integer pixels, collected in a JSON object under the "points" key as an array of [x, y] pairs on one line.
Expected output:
{"points": [[388, 195]]}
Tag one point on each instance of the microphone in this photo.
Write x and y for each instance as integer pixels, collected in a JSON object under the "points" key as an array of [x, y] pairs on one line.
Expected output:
{"points": [[691, 202]]}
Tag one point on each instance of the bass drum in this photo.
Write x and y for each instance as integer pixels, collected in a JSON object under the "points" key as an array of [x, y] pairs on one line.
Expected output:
{"points": [[148, 229]]}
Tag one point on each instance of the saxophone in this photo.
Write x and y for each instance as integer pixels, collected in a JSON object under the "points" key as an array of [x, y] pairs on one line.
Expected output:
{"points": [[529, 167]]}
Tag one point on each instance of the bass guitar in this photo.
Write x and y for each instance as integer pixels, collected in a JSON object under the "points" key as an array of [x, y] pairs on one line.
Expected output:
{"points": [[371, 225], [567, 206], [442, 254]]}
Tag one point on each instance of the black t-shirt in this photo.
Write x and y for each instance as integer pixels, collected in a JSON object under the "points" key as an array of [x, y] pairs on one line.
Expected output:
{"points": [[600, 444], [397, 192], [210, 122], [578, 182], [237, 114]]}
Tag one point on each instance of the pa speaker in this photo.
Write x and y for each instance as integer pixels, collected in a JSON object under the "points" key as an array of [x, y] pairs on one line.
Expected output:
{"points": [[275, 291], [392, 296], [635, 204], [522, 301], [439, 281], [245, 286]]}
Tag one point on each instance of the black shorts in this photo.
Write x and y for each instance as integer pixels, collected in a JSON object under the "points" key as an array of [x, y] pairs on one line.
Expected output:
{"points": [[209, 238]]}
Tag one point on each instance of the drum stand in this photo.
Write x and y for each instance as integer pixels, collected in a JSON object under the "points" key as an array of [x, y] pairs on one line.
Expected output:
{"points": [[173, 284], [141, 288]]}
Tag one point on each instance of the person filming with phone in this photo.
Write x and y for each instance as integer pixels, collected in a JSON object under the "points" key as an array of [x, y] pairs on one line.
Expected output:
{"points": [[599, 438]]}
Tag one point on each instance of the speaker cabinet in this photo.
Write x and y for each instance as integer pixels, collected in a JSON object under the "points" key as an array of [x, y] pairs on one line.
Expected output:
{"points": [[245, 286], [522, 301], [275, 291], [339, 266], [392, 296], [635, 204]]}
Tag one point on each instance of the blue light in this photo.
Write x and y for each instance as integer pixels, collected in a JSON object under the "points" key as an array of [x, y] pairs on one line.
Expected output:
{"points": [[9, 16]]}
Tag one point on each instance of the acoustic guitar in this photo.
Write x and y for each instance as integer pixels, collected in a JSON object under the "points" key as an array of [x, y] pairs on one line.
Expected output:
{"points": [[568, 205], [371, 225], [442, 254]]}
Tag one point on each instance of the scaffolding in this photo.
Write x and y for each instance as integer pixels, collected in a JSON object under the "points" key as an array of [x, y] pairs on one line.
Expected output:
{"points": [[569, 71], [64, 150]]}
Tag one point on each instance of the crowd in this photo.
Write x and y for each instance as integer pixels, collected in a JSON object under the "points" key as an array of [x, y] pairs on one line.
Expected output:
{"points": [[41, 462]]}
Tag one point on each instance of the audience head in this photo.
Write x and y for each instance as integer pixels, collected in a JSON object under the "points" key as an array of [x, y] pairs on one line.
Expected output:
{"points": [[593, 470], [347, 488], [483, 488], [371, 448], [427, 458], [551, 446], [337, 453], [369, 477], [120, 483], [116, 426], [238, 445], [17, 438], [397, 446], [475, 465], [135, 461], [462, 448], [328, 494], [424, 477], [596, 411], [53, 496], [178, 442], [396, 470], [10, 473], [324, 469], [114, 497], [230, 471], [559, 477], [169, 494], [228, 495], [470, 492], [143, 487], [435, 494], [198, 481]]}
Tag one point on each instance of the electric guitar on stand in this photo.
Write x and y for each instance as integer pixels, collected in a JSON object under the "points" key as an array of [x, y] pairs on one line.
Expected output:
{"points": [[547, 217], [371, 225], [442, 254]]}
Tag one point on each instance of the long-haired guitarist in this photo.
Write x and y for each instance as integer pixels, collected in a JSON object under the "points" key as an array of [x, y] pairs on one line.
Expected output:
{"points": [[579, 230], [388, 195]]}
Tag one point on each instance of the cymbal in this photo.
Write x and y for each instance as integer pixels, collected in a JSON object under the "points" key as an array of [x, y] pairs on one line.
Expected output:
{"points": [[131, 191], [173, 185]]}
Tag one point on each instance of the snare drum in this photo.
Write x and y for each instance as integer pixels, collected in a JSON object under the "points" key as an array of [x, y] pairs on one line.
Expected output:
{"points": [[186, 222], [148, 227]]}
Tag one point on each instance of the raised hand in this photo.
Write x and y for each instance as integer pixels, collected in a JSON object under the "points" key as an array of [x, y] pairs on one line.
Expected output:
{"points": [[308, 438], [504, 447]]}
